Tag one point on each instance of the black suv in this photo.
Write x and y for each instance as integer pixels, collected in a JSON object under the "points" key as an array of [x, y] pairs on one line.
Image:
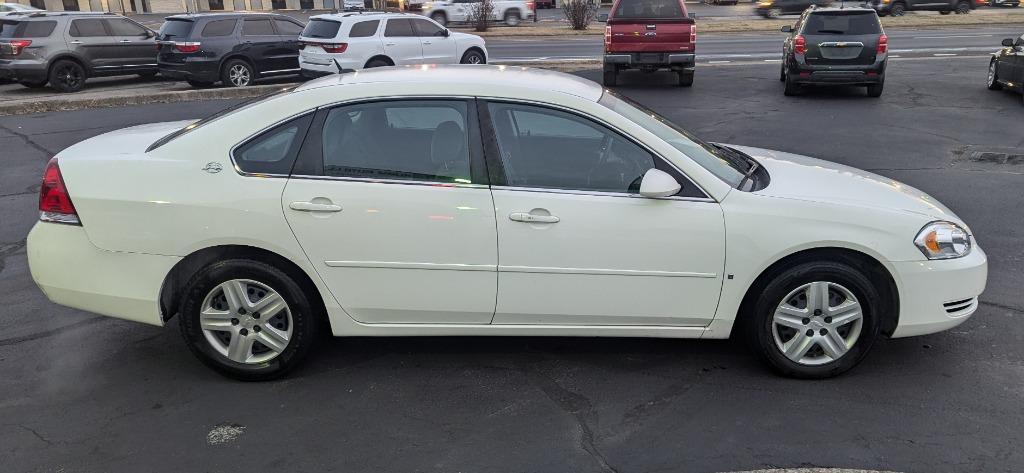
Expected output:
{"points": [[65, 48], [835, 46], [945, 7], [233, 48]]}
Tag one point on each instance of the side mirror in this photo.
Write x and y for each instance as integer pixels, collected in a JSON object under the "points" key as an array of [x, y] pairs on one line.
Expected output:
{"points": [[692, 16], [602, 17], [446, 33], [657, 183], [787, 29], [1008, 42]]}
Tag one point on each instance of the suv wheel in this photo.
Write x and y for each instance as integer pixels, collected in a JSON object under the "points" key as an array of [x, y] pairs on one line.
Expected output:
{"points": [[611, 76], [963, 8], [237, 73], [440, 18], [782, 72], [792, 88], [993, 79], [512, 18], [67, 76], [875, 90], [685, 78], [898, 9], [473, 57]]}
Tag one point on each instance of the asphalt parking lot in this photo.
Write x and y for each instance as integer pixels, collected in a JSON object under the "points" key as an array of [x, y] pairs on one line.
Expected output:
{"points": [[80, 392]]}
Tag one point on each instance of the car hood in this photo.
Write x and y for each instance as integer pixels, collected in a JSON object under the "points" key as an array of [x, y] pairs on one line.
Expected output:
{"points": [[801, 177], [129, 140]]}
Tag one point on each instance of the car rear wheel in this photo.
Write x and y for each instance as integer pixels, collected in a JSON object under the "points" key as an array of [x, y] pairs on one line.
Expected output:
{"points": [[611, 77], [237, 73], [440, 18], [67, 76], [875, 90], [993, 78], [34, 85], [898, 9], [247, 319], [685, 78], [963, 8], [792, 88], [815, 320], [473, 57], [512, 18]]}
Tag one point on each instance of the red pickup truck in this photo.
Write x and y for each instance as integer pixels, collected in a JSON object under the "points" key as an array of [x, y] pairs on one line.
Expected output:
{"points": [[649, 35]]}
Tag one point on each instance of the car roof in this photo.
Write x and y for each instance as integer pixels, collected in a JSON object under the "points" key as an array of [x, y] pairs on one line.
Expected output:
{"points": [[26, 14], [445, 79], [197, 16], [855, 9], [356, 15]]}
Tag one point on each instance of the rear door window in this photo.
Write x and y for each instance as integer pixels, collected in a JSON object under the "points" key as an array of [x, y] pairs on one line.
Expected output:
{"points": [[257, 28], [88, 28], [287, 28], [174, 29], [842, 23], [399, 28], [219, 28], [125, 27], [648, 9], [364, 29], [427, 28], [317, 28]]}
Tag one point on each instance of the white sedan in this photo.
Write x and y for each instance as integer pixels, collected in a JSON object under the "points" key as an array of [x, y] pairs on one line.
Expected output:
{"points": [[440, 201]]}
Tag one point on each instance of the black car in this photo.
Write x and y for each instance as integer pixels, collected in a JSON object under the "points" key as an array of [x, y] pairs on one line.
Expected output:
{"points": [[1007, 67], [945, 7], [233, 48], [835, 46], [775, 8]]}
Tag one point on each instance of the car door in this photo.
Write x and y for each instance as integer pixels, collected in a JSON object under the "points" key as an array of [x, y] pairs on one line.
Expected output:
{"points": [[90, 39], [390, 203], [577, 245], [401, 43], [438, 46], [136, 44], [261, 43], [288, 32]]}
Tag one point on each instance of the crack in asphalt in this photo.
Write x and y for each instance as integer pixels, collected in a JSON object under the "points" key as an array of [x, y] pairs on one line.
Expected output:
{"points": [[49, 333], [28, 140], [37, 434]]}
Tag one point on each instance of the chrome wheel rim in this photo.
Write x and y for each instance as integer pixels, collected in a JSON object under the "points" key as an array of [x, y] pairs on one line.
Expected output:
{"points": [[239, 75], [246, 321], [473, 59], [991, 73], [817, 323], [512, 20]]}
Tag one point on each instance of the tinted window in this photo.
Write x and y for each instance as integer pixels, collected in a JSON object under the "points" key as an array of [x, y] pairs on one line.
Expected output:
{"points": [[427, 28], [287, 28], [122, 27], [218, 28], [401, 27], [83, 28], [273, 151], [26, 29], [547, 148], [321, 29], [257, 28], [648, 9], [838, 23], [404, 140], [175, 29], [364, 29]]}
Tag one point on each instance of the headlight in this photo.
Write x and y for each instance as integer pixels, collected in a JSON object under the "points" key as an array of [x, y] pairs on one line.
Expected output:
{"points": [[943, 240]]}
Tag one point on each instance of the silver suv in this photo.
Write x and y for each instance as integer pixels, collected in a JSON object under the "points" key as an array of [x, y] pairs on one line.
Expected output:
{"points": [[65, 48]]}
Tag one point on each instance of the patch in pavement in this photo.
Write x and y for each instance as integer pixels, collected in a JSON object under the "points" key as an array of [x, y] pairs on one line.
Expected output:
{"points": [[986, 158], [224, 433]]}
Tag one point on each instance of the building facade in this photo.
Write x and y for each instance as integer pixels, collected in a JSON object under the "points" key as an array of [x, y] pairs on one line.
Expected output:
{"points": [[178, 6]]}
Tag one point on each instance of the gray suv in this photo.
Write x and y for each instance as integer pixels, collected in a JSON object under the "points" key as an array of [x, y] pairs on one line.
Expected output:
{"points": [[65, 48]]}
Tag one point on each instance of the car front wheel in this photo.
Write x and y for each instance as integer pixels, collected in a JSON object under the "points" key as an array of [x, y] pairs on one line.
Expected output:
{"points": [[247, 319], [815, 320], [473, 57]]}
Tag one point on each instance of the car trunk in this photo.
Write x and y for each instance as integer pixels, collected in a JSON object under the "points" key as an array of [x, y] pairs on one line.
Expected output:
{"points": [[842, 38], [174, 30]]}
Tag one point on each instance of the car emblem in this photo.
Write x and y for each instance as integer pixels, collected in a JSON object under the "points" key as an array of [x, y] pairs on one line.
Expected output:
{"points": [[213, 167], [650, 33]]}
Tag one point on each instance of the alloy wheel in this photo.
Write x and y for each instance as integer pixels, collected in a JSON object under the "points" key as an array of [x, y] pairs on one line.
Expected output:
{"points": [[474, 59], [239, 75], [70, 77], [817, 323], [246, 321]]}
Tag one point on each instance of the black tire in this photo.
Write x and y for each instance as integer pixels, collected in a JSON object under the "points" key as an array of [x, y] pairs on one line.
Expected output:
{"points": [[473, 56], [34, 85], [237, 73], [512, 18], [760, 326], [611, 77], [440, 17], [792, 88], [305, 319], [782, 72], [377, 62], [199, 84], [67, 76], [685, 78], [945, 12], [875, 90], [898, 9], [963, 8]]}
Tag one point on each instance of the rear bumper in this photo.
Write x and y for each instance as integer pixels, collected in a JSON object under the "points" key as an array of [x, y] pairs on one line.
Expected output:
{"points": [[838, 75], [317, 67], [662, 60], [73, 272], [202, 70], [940, 294], [22, 70]]}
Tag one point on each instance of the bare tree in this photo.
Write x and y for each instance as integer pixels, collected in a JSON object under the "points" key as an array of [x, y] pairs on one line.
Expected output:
{"points": [[580, 13], [481, 14]]}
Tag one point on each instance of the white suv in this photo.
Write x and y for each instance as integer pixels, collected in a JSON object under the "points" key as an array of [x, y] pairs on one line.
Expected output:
{"points": [[346, 42]]}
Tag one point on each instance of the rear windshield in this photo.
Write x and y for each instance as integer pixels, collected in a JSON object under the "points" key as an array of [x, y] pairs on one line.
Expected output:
{"points": [[842, 23], [648, 9], [26, 29], [321, 29], [221, 114], [176, 29]]}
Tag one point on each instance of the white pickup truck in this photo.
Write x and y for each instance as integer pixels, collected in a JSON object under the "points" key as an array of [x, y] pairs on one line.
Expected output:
{"points": [[511, 12]]}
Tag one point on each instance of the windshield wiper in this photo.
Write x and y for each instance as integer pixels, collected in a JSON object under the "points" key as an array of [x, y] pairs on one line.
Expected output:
{"points": [[742, 162], [831, 32]]}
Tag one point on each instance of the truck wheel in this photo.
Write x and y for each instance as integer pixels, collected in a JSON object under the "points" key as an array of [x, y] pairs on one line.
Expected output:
{"points": [[611, 77], [963, 8], [792, 88], [440, 18], [875, 90], [512, 18], [898, 9], [685, 78], [773, 13]]}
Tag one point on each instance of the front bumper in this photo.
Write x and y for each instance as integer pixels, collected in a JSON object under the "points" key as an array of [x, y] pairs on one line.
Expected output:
{"points": [[937, 295], [23, 70], [73, 272], [658, 60]]}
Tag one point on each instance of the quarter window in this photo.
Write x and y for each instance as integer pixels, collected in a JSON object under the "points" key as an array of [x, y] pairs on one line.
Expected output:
{"points": [[87, 28], [364, 29], [257, 28], [219, 28], [273, 151], [548, 148], [287, 28], [403, 140], [398, 28]]}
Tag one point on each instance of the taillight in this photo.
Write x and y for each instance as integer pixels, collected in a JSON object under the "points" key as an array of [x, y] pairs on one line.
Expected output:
{"points": [[883, 44], [607, 37], [335, 48], [799, 45], [693, 34], [54, 202], [186, 47], [18, 44]]}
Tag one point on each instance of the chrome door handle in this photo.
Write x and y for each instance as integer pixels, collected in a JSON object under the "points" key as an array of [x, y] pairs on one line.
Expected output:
{"points": [[312, 207], [126, 41], [428, 43], [389, 44], [531, 218], [76, 42]]}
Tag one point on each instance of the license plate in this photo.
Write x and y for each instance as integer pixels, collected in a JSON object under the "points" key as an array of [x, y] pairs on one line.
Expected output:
{"points": [[650, 58]]}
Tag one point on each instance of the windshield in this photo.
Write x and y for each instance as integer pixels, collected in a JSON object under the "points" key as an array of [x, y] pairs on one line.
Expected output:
{"points": [[223, 113], [842, 23], [648, 9], [721, 162]]}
